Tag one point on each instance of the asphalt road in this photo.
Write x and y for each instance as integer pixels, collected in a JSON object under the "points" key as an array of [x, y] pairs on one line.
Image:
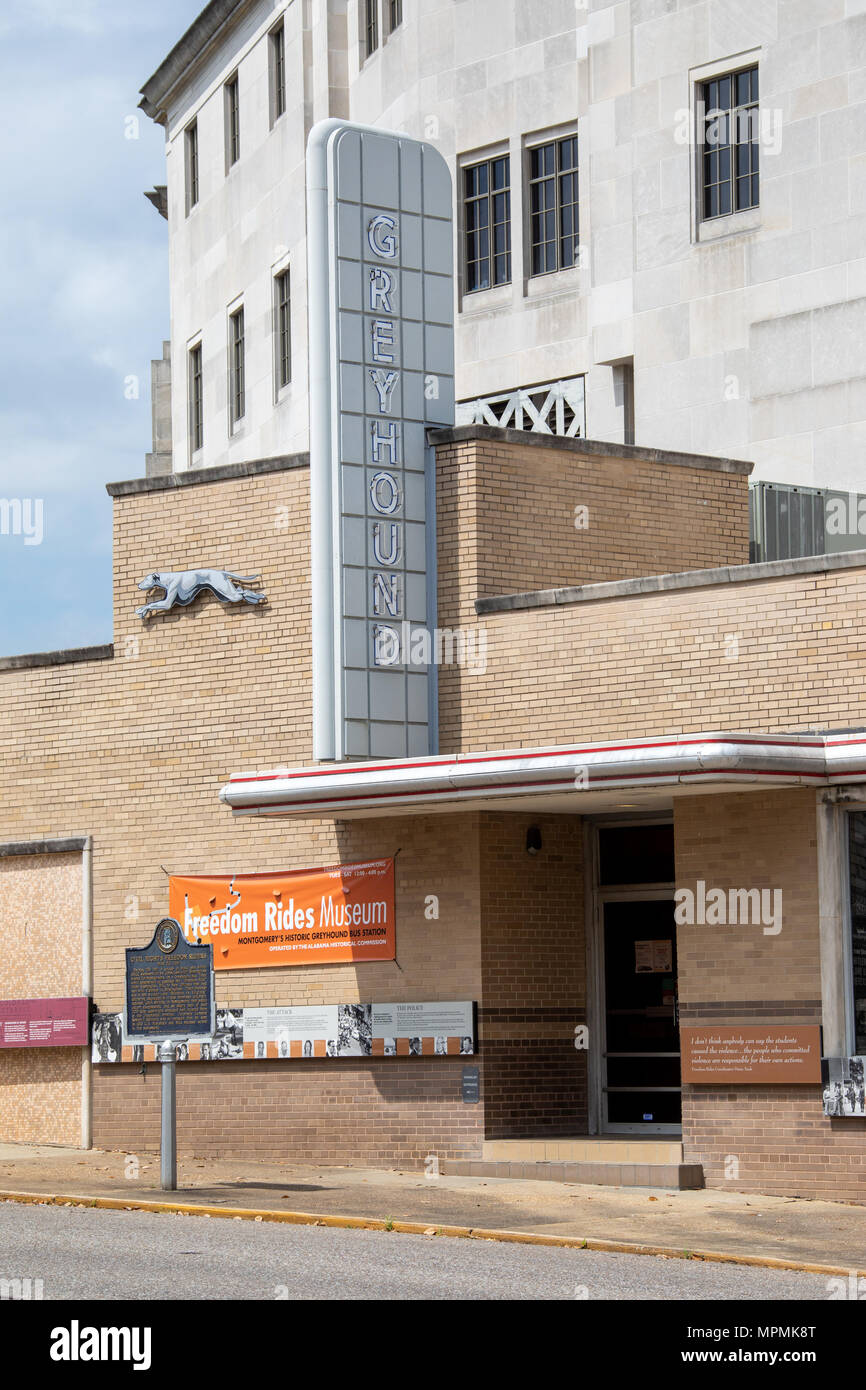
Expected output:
{"points": [[82, 1253]]}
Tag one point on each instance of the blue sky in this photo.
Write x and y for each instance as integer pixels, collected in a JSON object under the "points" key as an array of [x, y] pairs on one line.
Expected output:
{"points": [[84, 282]]}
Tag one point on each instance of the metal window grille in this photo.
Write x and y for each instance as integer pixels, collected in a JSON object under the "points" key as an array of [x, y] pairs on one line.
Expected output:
{"points": [[284, 330], [196, 413], [556, 407], [278, 68], [236, 384], [371, 26], [729, 119], [233, 127], [553, 206], [191, 165], [487, 223]]}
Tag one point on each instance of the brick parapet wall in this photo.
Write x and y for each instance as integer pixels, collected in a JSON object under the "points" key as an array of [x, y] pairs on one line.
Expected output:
{"points": [[547, 517], [785, 654]]}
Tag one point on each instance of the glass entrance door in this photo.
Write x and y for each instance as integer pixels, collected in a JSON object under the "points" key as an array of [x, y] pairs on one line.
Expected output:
{"points": [[641, 1072]]}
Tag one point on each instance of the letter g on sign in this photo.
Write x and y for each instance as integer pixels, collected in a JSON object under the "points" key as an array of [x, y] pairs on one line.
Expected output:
{"points": [[382, 236]]}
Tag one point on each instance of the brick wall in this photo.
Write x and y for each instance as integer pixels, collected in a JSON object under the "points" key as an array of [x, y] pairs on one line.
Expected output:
{"points": [[784, 653], [257, 1108], [753, 840], [759, 1138], [774, 1139], [516, 504], [391, 1113], [140, 745], [533, 965]]}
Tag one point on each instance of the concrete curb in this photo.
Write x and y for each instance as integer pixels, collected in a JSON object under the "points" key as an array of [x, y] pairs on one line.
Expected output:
{"points": [[420, 1228]]}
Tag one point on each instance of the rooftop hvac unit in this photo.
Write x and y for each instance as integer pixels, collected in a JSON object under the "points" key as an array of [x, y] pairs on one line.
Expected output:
{"points": [[786, 522]]}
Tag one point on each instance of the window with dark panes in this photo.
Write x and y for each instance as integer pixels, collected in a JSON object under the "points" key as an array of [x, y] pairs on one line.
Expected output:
{"points": [[631, 854], [396, 14], [233, 126], [729, 126], [236, 365], [487, 223], [191, 150], [553, 206], [284, 329], [278, 73], [196, 414], [371, 26]]}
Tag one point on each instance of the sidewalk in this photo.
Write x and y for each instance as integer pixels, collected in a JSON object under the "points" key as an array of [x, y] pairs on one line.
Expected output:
{"points": [[744, 1228]]}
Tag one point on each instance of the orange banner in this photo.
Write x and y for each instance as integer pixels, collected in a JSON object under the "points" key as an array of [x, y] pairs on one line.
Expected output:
{"points": [[306, 917]]}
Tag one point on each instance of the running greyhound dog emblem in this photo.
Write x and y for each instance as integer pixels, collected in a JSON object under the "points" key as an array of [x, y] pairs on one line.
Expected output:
{"points": [[182, 586]]}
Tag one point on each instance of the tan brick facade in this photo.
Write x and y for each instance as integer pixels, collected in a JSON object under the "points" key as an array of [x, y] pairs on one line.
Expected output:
{"points": [[659, 663], [533, 965], [139, 744], [759, 1138], [533, 514], [392, 1112], [761, 840]]}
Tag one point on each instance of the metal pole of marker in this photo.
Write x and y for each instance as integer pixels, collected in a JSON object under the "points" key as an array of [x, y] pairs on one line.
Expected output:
{"points": [[168, 1136]]}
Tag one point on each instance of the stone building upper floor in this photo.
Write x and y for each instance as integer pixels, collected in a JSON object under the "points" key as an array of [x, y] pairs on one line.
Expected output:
{"points": [[660, 212]]}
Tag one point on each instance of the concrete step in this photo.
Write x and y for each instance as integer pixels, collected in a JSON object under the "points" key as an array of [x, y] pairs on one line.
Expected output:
{"points": [[667, 1175], [605, 1148]]}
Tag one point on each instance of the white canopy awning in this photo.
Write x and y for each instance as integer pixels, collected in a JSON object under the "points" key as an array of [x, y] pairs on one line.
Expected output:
{"points": [[581, 778]]}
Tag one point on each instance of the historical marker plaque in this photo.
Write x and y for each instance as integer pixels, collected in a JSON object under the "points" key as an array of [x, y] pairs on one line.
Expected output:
{"points": [[169, 987]]}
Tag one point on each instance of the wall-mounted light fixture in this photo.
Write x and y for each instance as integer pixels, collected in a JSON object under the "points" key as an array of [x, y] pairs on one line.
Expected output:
{"points": [[533, 840]]}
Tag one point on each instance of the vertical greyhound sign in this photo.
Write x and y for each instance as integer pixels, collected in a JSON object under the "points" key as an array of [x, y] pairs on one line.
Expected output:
{"points": [[381, 325]]}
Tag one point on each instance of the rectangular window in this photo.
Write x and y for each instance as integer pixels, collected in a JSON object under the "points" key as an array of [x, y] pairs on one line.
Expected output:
{"points": [[191, 153], [371, 26], [553, 206], [196, 413], [236, 366], [396, 14], [283, 322], [630, 854], [233, 126], [487, 223], [728, 126], [278, 73]]}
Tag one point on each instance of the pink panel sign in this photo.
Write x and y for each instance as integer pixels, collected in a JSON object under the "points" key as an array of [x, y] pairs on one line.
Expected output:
{"points": [[44, 1022]]}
